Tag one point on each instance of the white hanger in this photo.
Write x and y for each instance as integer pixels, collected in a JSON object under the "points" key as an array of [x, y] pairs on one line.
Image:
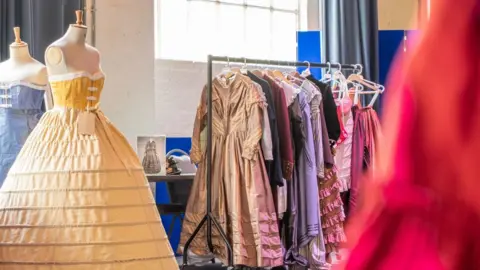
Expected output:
{"points": [[306, 72], [327, 77], [244, 69], [226, 70], [374, 98], [340, 79], [358, 78]]}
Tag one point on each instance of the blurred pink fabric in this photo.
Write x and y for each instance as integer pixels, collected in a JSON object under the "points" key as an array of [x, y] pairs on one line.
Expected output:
{"points": [[421, 209]]}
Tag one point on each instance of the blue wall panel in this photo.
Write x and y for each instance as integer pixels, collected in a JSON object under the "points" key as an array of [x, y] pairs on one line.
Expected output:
{"points": [[162, 196], [309, 48], [389, 41]]}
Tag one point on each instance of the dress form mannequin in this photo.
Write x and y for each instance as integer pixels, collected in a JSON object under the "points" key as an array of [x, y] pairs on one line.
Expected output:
{"points": [[71, 54], [21, 67]]}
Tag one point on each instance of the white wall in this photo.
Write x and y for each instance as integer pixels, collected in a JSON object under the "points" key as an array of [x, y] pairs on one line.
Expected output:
{"points": [[178, 86], [125, 38]]}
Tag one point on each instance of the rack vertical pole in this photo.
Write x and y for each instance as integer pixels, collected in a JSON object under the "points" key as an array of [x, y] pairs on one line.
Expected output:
{"points": [[209, 152], [209, 219]]}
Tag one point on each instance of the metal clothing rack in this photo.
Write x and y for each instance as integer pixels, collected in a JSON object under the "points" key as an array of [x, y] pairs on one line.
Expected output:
{"points": [[209, 218]]}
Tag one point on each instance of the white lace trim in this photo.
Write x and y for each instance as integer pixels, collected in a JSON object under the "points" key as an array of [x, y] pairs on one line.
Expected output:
{"points": [[262, 97], [291, 92], [8, 85], [74, 75], [310, 91]]}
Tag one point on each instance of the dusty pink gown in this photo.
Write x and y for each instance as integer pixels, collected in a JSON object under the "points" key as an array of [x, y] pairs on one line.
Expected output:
{"points": [[242, 201]]}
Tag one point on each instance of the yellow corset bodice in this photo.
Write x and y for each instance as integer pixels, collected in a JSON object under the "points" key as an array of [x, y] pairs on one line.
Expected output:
{"points": [[77, 90]]}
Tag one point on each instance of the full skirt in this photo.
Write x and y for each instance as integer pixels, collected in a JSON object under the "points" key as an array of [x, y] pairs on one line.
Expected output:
{"points": [[73, 201], [242, 203]]}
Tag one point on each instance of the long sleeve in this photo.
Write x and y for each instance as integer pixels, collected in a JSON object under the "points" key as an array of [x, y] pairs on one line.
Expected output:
{"points": [[196, 153], [254, 125], [267, 147], [357, 164]]}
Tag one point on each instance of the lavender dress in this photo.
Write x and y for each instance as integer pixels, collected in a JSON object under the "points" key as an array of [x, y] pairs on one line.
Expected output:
{"points": [[304, 185]]}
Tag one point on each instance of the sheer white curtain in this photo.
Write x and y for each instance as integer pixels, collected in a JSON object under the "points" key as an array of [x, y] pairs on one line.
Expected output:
{"points": [[192, 29]]}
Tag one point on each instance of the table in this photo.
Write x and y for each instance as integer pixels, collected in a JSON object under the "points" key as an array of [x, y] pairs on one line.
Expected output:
{"points": [[178, 187]]}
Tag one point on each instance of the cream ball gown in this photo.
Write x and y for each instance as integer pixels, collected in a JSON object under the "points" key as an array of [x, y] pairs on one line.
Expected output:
{"points": [[74, 201]]}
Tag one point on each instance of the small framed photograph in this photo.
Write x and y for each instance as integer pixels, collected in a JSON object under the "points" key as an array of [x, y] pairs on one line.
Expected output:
{"points": [[151, 152]]}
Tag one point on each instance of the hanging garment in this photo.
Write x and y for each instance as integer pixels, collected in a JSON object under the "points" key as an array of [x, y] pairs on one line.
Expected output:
{"points": [[330, 109], [292, 255], [308, 219], [281, 111], [366, 130], [315, 99], [74, 201], [274, 168], [266, 141], [242, 201], [20, 110], [343, 151], [331, 205], [315, 250], [151, 161], [305, 177]]}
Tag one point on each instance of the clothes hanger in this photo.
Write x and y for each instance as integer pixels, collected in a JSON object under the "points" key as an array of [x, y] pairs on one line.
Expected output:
{"points": [[244, 69], [342, 82], [338, 80], [226, 72], [306, 72], [293, 76], [374, 98], [257, 72], [358, 78], [268, 71], [279, 75], [294, 73], [328, 76]]}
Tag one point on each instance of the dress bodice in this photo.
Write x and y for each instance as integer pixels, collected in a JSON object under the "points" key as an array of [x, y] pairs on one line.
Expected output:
{"points": [[151, 146], [77, 90], [21, 95]]}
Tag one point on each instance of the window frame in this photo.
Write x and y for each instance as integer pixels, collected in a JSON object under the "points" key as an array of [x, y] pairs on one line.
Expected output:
{"points": [[271, 8]]}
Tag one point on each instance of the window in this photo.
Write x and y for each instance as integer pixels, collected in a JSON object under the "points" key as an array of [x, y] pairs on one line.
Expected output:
{"points": [[192, 29]]}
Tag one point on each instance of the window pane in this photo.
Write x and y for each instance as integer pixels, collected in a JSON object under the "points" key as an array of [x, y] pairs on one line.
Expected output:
{"points": [[285, 4], [190, 30], [284, 35], [231, 31], [260, 3], [172, 39], [202, 29], [258, 33]]}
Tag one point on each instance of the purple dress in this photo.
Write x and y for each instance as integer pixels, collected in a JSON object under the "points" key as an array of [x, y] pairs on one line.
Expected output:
{"points": [[304, 185]]}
